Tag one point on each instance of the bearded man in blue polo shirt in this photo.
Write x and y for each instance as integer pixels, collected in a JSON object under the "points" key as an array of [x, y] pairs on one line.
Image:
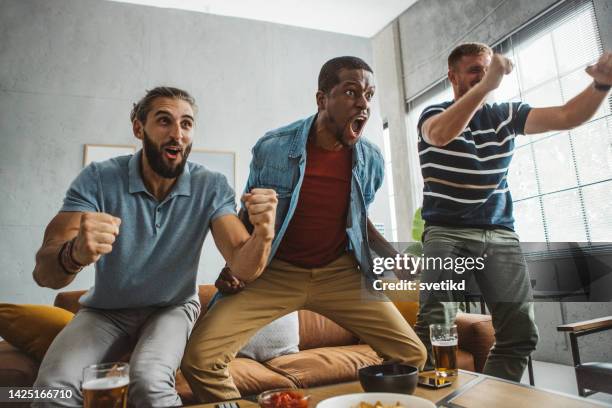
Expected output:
{"points": [[465, 148], [142, 219]]}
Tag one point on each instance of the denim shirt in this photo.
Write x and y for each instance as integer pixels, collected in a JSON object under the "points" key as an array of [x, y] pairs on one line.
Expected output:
{"points": [[279, 163]]}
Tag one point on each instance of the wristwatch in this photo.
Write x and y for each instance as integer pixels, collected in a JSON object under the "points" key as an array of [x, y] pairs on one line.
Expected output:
{"points": [[601, 87]]}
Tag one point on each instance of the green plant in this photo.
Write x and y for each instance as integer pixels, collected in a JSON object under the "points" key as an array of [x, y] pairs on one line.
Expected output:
{"points": [[418, 225]]}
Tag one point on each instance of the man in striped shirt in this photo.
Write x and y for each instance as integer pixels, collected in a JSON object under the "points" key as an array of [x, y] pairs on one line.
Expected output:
{"points": [[465, 149]]}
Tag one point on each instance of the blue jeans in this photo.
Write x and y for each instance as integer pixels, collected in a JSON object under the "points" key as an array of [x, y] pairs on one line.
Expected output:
{"points": [[155, 336]]}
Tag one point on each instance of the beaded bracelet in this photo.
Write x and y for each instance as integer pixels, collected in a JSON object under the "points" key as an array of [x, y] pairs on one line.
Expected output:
{"points": [[66, 261]]}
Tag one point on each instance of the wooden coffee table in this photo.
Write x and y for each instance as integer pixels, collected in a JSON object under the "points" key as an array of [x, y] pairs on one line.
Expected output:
{"points": [[469, 390]]}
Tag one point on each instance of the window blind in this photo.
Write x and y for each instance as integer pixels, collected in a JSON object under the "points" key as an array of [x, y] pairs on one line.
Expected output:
{"points": [[561, 181]]}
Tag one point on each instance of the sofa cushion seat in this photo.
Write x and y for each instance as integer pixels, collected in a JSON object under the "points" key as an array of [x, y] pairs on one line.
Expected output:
{"points": [[18, 369], [318, 331], [476, 336], [325, 365], [330, 365], [465, 360]]}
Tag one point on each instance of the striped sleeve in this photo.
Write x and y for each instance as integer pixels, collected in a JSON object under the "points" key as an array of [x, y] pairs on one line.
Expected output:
{"points": [[521, 111], [427, 113]]}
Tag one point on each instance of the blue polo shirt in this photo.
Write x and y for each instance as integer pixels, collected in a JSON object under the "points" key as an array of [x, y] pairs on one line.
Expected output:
{"points": [[154, 261]]}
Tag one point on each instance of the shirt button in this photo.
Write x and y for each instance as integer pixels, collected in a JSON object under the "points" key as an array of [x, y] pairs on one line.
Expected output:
{"points": [[158, 225]]}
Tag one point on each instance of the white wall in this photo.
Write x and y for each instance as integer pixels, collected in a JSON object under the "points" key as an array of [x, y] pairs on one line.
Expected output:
{"points": [[71, 70]]}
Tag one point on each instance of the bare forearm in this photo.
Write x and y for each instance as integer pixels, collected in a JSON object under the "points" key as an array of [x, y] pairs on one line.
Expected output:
{"points": [[48, 272], [583, 106], [378, 243], [446, 126], [244, 217], [249, 261]]}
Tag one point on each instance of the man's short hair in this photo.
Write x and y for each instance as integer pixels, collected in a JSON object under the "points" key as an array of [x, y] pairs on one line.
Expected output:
{"points": [[467, 49], [328, 76], [141, 109]]}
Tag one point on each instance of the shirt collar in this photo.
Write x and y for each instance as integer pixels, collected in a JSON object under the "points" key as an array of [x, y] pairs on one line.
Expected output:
{"points": [[300, 139], [299, 143], [136, 183]]}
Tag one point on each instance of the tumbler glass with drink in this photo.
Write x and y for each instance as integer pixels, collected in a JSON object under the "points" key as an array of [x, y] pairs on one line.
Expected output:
{"points": [[106, 385], [444, 348]]}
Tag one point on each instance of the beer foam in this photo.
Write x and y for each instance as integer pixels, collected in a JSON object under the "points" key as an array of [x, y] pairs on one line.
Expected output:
{"points": [[106, 383], [444, 343]]}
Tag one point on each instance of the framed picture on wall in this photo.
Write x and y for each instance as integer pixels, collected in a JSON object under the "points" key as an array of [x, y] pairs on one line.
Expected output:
{"points": [[217, 160], [100, 152]]}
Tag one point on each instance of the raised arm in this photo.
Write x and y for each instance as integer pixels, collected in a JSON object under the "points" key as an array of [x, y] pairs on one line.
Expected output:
{"points": [[247, 255], [441, 129], [580, 108], [82, 237]]}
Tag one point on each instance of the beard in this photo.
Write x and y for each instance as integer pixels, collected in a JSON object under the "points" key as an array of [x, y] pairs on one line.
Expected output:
{"points": [[339, 134], [155, 157]]}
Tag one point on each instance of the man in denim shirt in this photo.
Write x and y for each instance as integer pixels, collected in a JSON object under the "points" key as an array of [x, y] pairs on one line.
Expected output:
{"points": [[325, 176]]}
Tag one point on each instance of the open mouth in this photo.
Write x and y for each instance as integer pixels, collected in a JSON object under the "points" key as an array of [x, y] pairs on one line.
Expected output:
{"points": [[172, 152], [358, 124]]}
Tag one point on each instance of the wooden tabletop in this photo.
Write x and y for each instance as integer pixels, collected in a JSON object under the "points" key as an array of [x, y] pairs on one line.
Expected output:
{"points": [[469, 390], [491, 392], [318, 394]]}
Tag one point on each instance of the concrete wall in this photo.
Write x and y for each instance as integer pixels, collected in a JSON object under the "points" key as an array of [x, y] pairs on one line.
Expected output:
{"points": [[410, 55], [430, 29], [71, 70], [404, 155]]}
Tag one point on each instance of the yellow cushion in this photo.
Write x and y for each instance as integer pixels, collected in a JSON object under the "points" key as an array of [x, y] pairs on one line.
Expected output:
{"points": [[406, 301], [32, 328]]}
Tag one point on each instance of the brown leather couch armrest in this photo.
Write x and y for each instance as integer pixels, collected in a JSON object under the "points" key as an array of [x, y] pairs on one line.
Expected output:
{"points": [[476, 336], [17, 369], [69, 300]]}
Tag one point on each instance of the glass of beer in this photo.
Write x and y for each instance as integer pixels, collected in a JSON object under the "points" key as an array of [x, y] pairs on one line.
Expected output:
{"points": [[444, 347], [106, 385]]}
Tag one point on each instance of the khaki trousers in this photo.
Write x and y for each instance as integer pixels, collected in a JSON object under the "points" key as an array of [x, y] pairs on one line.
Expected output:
{"points": [[333, 291]]}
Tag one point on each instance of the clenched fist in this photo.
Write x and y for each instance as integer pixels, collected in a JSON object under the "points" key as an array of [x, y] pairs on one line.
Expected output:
{"points": [[96, 236], [601, 71], [499, 67], [261, 208], [227, 283]]}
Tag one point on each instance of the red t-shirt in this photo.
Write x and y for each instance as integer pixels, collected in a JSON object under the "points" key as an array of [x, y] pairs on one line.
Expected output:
{"points": [[316, 234]]}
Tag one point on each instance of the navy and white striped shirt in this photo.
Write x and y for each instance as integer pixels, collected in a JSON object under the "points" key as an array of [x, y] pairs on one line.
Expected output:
{"points": [[465, 181]]}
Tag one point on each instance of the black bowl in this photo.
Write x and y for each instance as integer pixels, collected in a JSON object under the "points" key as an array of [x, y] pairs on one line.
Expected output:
{"points": [[400, 378]]}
